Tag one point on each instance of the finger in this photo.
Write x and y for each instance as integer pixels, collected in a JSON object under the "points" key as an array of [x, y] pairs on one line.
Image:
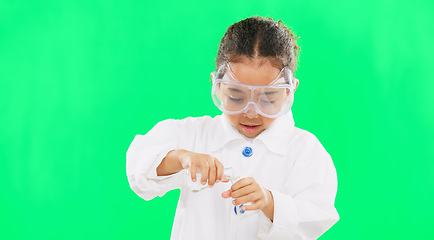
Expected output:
{"points": [[242, 183], [244, 191], [253, 197], [212, 172], [225, 178], [255, 206], [193, 168], [204, 168], [220, 170], [227, 194]]}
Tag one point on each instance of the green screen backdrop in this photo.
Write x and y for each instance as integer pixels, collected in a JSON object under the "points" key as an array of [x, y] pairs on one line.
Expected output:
{"points": [[79, 79]]}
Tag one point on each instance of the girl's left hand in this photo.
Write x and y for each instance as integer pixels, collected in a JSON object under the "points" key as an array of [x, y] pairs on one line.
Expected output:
{"points": [[248, 190]]}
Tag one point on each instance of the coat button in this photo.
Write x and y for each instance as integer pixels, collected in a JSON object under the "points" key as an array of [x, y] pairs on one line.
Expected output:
{"points": [[248, 152]]}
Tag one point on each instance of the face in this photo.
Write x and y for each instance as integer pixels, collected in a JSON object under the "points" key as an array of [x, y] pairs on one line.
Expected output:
{"points": [[254, 72]]}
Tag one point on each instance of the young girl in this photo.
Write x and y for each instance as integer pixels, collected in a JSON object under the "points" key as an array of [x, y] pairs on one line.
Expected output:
{"points": [[249, 173]]}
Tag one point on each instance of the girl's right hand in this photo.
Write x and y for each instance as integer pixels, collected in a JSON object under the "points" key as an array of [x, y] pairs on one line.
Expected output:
{"points": [[210, 167]]}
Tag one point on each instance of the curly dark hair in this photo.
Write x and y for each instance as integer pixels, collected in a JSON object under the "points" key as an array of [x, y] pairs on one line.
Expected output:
{"points": [[259, 37]]}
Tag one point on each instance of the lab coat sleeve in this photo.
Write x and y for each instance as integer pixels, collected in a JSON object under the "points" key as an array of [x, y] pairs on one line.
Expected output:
{"points": [[146, 153], [304, 208]]}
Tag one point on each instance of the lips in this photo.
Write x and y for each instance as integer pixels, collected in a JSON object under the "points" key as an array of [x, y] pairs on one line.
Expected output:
{"points": [[250, 128]]}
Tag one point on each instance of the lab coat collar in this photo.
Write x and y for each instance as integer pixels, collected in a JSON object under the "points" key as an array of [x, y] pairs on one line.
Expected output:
{"points": [[275, 138]]}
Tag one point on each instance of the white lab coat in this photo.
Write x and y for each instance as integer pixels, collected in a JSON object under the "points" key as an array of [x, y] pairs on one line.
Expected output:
{"points": [[288, 161]]}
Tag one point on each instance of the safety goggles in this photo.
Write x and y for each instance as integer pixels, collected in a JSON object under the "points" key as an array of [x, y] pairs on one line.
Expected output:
{"points": [[271, 101]]}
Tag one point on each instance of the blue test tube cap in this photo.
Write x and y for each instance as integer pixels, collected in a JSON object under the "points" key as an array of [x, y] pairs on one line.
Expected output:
{"points": [[241, 211]]}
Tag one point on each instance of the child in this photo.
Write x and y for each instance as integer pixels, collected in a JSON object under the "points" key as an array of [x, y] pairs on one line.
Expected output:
{"points": [[282, 181]]}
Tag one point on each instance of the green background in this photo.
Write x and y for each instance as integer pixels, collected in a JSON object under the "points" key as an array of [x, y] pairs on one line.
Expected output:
{"points": [[79, 79]]}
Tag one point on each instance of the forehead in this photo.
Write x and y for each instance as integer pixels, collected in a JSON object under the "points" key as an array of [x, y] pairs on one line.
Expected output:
{"points": [[254, 71]]}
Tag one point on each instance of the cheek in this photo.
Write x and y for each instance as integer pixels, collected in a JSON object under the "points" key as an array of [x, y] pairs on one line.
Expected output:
{"points": [[233, 119], [267, 122]]}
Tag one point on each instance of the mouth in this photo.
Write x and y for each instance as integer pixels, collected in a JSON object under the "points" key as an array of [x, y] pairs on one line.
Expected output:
{"points": [[250, 128]]}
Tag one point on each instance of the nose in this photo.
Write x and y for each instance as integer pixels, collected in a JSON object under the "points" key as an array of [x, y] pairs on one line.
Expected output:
{"points": [[251, 110]]}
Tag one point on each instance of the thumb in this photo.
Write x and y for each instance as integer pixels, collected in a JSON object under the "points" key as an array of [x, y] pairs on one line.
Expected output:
{"points": [[227, 194]]}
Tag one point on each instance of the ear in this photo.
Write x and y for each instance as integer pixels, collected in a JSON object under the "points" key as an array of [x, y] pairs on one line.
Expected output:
{"points": [[212, 75]]}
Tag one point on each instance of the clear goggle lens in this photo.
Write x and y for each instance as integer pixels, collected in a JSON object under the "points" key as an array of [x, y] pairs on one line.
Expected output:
{"points": [[233, 97]]}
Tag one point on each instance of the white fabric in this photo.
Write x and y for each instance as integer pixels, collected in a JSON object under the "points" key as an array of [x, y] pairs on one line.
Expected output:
{"points": [[288, 161]]}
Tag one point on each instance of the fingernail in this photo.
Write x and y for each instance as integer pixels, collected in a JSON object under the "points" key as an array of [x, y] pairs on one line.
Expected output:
{"points": [[203, 183], [217, 181], [194, 179], [210, 186], [244, 208], [233, 202]]}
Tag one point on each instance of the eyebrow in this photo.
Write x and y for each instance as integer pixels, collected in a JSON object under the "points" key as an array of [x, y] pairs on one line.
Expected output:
{"points": [[240, 91], [269, 93], [236, 90]]}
